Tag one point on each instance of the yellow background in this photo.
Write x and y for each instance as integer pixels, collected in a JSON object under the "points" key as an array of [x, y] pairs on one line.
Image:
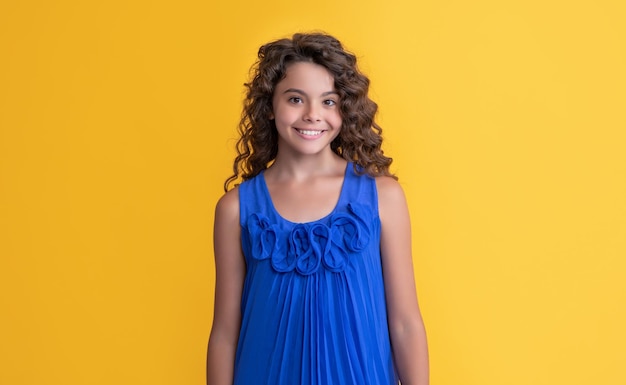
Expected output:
{"points": [[506, 120]]}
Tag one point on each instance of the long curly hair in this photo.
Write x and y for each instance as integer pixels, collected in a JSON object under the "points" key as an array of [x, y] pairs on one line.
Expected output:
{"points": [[360, 138]]}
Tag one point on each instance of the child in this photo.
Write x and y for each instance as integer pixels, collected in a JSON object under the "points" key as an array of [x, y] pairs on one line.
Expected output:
{"points": [[314, 276]]}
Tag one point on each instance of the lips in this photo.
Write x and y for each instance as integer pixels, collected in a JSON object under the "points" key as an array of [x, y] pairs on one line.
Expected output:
{"points": [[310, 132]]}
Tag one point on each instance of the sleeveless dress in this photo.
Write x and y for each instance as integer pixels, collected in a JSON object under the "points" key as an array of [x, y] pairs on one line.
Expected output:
{"points": [[313, 303]]}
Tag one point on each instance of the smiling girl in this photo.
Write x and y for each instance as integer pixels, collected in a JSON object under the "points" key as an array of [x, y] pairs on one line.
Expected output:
{"points": [[314, 275]]}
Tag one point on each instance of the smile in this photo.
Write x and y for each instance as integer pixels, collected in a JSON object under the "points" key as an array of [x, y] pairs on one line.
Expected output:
{"points": [[310, 132]]}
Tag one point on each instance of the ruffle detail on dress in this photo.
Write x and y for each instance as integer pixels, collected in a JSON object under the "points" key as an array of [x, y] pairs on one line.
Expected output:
{"points": [[307, 246]]}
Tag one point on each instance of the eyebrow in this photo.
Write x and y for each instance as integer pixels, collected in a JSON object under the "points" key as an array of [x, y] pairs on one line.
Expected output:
{"points": [[297, 91]]}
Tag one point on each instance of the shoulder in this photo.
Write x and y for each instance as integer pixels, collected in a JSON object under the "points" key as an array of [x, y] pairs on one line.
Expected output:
{"points": [[389, 190], [392, 205], [228, 204]]}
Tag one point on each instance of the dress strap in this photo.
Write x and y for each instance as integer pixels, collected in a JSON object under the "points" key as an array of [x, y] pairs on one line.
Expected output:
{"points": [[361, 188], [253, 197]]}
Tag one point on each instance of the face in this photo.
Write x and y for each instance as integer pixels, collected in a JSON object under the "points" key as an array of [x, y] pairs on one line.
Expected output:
{"points": [[306, 110]]}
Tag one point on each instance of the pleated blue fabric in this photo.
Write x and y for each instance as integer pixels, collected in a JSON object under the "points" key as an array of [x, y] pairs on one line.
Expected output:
{"points": [[313, 304]]}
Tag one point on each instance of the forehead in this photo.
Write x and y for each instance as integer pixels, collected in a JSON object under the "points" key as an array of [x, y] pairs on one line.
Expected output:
{"points": [[307, 75]]}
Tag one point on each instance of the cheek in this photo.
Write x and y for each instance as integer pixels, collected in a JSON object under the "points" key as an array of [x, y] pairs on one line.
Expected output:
{"points": [[338, 122]]}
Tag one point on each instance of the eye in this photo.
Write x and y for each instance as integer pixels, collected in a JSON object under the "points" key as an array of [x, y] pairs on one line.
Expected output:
{"points": [[295, 100], [330, 102]]}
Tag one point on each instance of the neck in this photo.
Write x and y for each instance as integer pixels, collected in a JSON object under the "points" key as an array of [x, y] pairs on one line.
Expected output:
{"points": [[304, 167]]}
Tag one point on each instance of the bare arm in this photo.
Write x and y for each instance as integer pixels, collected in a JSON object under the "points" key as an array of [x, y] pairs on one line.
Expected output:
{"points": [[406, 327], [229, 276]]}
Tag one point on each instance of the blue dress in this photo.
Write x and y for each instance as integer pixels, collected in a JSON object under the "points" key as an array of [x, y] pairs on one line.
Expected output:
{"points": [[313, 304]]}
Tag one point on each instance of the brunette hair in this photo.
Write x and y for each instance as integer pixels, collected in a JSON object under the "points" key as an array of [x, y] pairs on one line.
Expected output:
{"points": [[360, 138]]}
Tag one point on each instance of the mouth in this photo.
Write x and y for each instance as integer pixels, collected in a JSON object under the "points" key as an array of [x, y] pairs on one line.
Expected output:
{"points": [[310, 132]]}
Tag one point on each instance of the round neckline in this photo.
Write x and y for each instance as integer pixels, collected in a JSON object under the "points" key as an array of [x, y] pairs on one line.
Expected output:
{"points": [[282, 218]]}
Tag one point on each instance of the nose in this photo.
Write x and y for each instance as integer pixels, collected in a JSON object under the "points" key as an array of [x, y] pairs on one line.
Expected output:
{"points": [[312, 113]]}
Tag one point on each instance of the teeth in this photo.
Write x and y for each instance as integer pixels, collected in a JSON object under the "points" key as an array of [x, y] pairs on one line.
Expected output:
{"points": [[309, 132]]}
